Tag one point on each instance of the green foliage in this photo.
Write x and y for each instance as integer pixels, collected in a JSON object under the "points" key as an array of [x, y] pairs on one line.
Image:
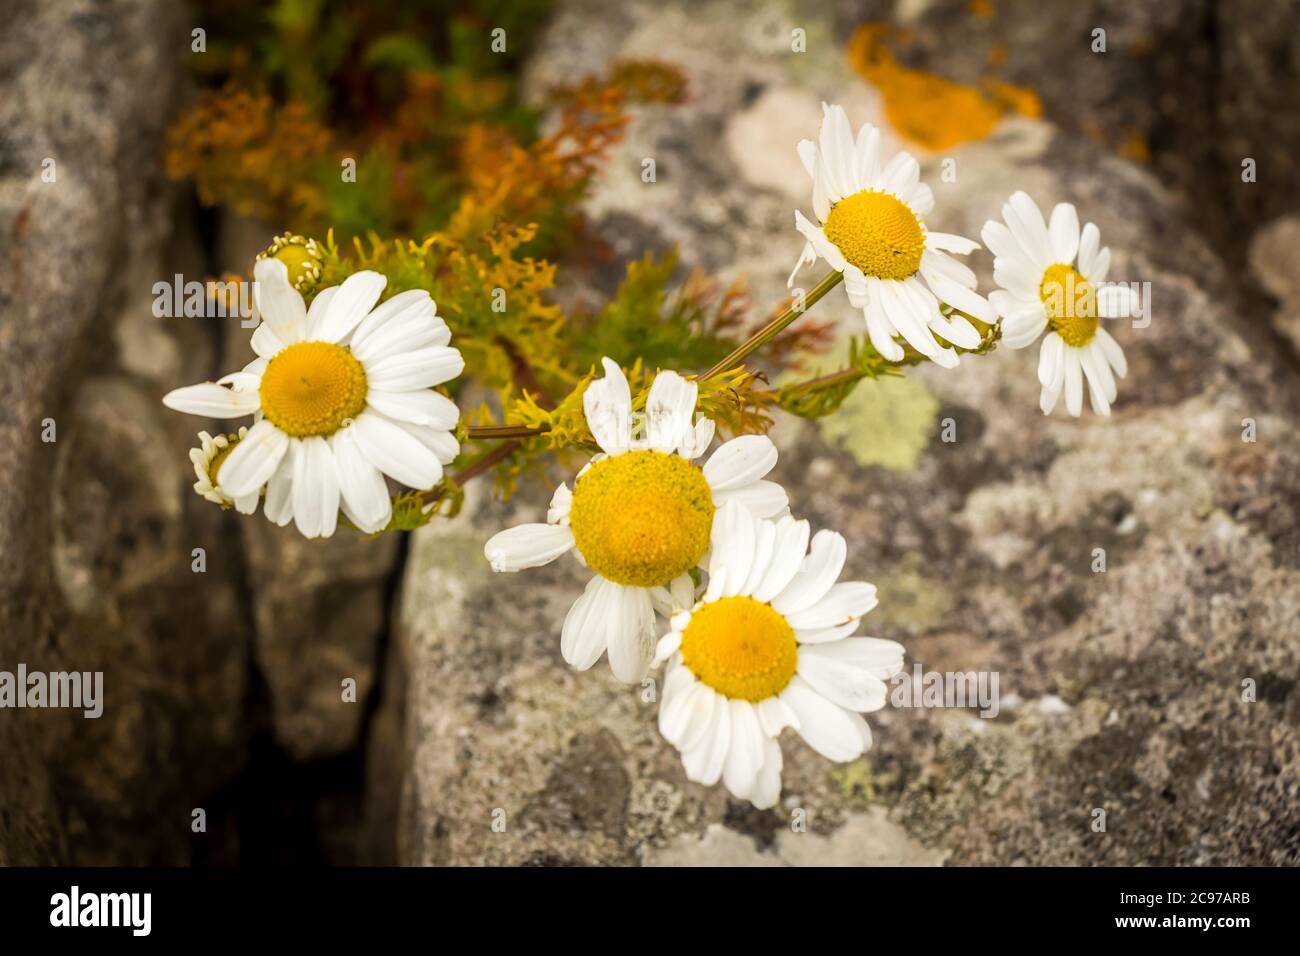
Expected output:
{"points": [[697, 324]]}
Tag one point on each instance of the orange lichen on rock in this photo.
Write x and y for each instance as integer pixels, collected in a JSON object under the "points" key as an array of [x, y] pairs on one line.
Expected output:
{"points": [[933, 112]]}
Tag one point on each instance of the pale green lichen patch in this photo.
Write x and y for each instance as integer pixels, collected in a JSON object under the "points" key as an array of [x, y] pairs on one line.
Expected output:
{"points": [[886, 422]]}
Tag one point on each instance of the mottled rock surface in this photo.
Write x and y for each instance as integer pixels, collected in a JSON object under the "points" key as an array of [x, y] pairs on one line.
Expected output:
{"points": [[98, 527], [1157, 696]]}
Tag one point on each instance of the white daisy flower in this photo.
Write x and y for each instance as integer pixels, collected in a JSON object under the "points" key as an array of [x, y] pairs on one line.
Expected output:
{"points": [[1043, 288], [342, 396], [639, 516], [873, 231], [768, 647], [207, 460]]}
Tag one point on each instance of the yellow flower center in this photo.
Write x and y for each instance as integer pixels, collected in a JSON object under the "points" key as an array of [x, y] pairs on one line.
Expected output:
{"points": [[741, 648], [877, 233], [1071, 304], [643, 518], [301, 258], [219, 459], [313, 388]]}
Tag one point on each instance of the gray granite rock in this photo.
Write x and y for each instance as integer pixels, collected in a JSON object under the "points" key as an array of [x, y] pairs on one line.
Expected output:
{"points": [[98, 527], [1161, 691]]}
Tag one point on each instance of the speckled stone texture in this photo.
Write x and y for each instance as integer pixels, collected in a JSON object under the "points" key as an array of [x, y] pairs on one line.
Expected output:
{"points": [[1159, 695], [98, 528]]}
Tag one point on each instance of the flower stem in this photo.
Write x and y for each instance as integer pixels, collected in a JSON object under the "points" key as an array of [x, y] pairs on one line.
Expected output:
{"points": [[486, 462], [774, 328], [503, 431]]}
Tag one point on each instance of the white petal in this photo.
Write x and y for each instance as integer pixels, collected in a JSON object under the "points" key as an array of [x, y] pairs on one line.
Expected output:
{"points": [[1089, 243], [361, 486], [527, 546], [279, 491], [701, 717], [681, 708], [955, 329], [957, 295], [561, 502], [840, 605], [764, 542], [254, 459], [825, 248], [774, 716], [767, 788], [416, 326], [315, 488], [837, 153], [817, 573], [1004, 245], [706, 747], [712, 768], [841, 683], [1064, 232], [732, 546], [212, 401], [412, 303], [956, 271], [880, 330], [585, 634], [396, 452], [880, 659], [787, 555], [1021, 279], [441, 442], [607, 404], [827, 635], [422, 368], [910, 320], [1117, 302], [763, 499], [1050, 361], [739, 462], [278, 303], [806, 258], [265, 342], [867, 165], [670, 409], [349, 305], [1114, 354], [700, 440], [1025, 220], [1048, 398], [900, 175], [828, 728], [921, 202], [745, 756], [631, 641], [420, 407], [1073, 383], [319, 306], [1054, 364], [1096, 371], [947, 242], [1023, 327], [1100, 267]]}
